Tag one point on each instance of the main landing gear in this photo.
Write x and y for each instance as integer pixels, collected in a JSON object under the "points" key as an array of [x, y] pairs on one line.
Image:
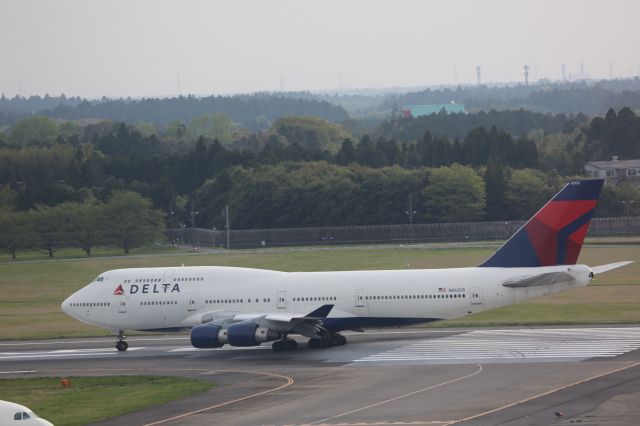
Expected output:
{"points": [[335, 339], [285, 344], [121, 344]]}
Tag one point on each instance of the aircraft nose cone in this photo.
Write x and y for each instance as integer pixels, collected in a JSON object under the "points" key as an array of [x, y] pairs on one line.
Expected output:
{"points": [[65, 305]]}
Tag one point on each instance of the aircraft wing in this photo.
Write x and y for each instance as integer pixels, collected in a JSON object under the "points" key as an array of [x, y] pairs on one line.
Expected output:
{"points": [[309, 325]]}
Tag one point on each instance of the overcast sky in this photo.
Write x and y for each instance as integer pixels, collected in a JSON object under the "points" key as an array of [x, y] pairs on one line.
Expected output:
{"points": [[157, 47]]}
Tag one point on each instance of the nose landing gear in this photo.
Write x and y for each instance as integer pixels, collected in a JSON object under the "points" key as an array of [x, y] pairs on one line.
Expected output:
{"points": [[121, 344]]}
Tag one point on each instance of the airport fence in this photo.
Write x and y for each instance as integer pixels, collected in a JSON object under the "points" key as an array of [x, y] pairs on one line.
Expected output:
{"points": [[383, 234]]}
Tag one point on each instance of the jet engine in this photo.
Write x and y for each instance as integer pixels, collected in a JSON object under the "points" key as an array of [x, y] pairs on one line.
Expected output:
{"points": [[248, 334], [206, 336]]}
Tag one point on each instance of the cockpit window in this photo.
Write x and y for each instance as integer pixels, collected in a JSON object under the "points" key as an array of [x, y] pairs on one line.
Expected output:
{"points": [[25, 416], [100, 279], [17, 416]]}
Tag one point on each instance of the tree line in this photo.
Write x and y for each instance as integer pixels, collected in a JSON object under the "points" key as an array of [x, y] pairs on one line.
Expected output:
{"points": [[323, 194], [590, 98], [126, 220], [98, 160]]}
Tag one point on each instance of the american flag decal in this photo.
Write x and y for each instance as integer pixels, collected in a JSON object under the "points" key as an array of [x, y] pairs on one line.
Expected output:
{"points": [[442, 289]]}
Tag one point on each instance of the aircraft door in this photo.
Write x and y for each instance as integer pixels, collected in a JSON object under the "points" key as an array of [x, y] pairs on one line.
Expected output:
{"points": [[359, 298], [191, 302], [282, 299], [121, 300], [476, 295]]}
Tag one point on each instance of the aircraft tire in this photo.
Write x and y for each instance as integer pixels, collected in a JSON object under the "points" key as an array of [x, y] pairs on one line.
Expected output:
{"points": [[319, 343], [122, 346], [290, 345]]}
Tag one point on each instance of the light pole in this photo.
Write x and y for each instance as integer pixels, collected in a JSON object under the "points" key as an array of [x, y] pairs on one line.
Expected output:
{"points": [[226, 211], [194, 213], [410, 213], [173, 239], [182, 226], [213, 233], [627, 204]]}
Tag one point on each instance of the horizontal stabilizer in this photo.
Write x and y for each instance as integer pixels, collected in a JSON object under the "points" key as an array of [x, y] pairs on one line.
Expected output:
{"points": [[539, 280], [604, 268]]}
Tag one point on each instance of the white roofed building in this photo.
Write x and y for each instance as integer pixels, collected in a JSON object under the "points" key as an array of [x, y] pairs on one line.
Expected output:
{"points": [[615, 171]]}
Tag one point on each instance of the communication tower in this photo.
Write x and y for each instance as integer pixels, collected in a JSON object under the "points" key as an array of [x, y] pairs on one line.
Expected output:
{"points": [[526, 75], [478, 71]]}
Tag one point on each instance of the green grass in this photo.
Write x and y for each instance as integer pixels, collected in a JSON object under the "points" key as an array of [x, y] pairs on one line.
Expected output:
{"points": [[91, 399], [74, 253], [32, 291]]}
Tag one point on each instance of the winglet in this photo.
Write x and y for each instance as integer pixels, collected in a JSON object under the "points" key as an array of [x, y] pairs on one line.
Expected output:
{"points": [[321, 312], [604, 268]]}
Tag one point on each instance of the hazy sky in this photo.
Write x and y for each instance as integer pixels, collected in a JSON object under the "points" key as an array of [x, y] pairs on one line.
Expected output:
{"points": [[156, 47]]}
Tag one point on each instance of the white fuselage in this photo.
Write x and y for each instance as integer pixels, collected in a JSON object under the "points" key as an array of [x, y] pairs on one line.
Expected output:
{"points": [[177, 297]]}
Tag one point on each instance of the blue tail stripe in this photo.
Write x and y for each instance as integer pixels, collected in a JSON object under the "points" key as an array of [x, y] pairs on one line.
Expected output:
{"points": [[519, 252], [564, 233]]}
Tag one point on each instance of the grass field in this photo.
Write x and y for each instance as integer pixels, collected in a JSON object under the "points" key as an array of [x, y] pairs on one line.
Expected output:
{"points": [[32, 291], [91, 399]]}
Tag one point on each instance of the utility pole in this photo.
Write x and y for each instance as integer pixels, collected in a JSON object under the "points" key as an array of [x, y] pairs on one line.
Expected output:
{"points": [[410, 213], [627, 204], [193, 225], [171, 214], [226, 213]]}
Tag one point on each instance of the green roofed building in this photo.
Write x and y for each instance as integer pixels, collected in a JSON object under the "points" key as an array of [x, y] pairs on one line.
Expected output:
{"points": [[420, 110]]}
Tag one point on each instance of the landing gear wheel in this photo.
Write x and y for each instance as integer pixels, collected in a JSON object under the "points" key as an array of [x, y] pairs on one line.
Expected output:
{"points": [[284, 345], [319, 343], [121, 345], [338, 340]]}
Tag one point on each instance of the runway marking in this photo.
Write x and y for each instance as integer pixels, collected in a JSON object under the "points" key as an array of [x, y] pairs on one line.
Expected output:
{"points": [[61, 353], [224, 348], [18, 372], [540, 395], [398, 423], [478, 371], [289, 382], [105, 340], [541, 344]]}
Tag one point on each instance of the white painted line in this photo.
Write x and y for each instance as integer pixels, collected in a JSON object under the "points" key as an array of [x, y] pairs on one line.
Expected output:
{"points": [[18, 372]]}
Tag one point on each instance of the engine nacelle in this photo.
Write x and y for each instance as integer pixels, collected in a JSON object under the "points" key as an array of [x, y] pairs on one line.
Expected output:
{"points": [[206, 336], [247, 334]]}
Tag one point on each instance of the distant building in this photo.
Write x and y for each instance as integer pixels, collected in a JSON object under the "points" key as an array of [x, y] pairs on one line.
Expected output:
{"points": [[615, 171], [420, 110]]}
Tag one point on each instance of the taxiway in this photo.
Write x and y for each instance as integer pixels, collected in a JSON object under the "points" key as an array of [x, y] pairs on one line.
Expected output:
{"points": [[514, 376]]}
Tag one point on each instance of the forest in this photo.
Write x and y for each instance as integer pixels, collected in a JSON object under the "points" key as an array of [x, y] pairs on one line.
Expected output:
{"points": [[301, 170]]}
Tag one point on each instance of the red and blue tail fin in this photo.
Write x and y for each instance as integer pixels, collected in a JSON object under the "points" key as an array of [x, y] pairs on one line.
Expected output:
{"points": [[555, 234]]}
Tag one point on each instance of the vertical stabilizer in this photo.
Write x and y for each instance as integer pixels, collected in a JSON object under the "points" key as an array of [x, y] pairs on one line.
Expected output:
{"points": [[555, 234]]}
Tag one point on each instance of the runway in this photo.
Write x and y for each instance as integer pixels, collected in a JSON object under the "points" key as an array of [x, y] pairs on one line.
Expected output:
{"points": [[501, 376]]}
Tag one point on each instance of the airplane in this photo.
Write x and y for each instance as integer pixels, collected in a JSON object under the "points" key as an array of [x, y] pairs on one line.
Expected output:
{"points": [[247, 307], [11, 412]]}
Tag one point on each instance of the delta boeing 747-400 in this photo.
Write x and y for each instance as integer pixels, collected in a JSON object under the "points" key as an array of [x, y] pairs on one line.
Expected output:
{"points": [[247, 307]]}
